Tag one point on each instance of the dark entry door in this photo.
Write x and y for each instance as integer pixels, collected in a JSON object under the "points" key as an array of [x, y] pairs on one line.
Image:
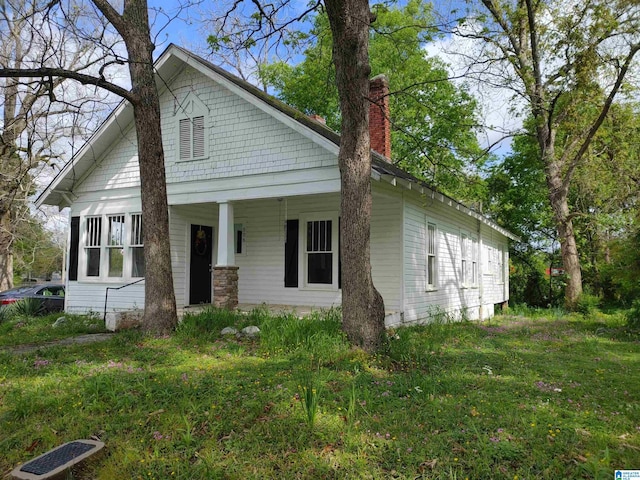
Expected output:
{"points": [[201, 259]]}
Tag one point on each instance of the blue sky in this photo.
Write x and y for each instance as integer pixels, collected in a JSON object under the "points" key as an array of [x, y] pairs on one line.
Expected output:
{"points": [[188, 31]]}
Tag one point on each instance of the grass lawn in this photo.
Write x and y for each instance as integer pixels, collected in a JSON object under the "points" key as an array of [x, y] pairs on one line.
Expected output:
{"points": [[21, 329], [542, 396]]}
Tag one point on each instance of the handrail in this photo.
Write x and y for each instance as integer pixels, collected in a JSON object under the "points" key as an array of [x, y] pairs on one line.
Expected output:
{"points": [[106, 296]]}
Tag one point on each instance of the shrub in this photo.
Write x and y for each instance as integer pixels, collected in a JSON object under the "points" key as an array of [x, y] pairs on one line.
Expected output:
{"points": [[588, 304], [27, 307], [633, 317], [5, 314]]}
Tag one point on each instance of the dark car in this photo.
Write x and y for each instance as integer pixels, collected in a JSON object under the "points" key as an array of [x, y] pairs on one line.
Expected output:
{"points": [[51, 296]]}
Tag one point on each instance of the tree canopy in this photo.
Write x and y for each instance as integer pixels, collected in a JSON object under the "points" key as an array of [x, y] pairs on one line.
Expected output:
{"points": [[434, 122], [566, 63]]}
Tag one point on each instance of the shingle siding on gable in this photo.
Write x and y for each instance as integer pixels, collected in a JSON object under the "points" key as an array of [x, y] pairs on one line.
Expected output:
{"points": [[118, 169], [243, 140]]}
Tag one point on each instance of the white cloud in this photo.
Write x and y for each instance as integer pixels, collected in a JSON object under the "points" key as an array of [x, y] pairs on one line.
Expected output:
{"points": [[499, 109]]}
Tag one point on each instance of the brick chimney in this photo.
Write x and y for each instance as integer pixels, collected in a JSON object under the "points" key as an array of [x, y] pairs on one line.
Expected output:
{"points": [[379, 121], [318, 118]]}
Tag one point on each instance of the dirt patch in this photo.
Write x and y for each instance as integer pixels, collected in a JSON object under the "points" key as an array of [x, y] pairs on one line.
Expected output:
{"points": [[78, 340]]}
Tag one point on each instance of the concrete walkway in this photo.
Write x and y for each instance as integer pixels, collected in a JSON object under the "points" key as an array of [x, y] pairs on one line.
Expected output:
{"points": [[78, 340]]}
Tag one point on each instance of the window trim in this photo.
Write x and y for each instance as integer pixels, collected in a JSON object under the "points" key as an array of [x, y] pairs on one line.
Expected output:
{"points": [[190, 109], [303, 254], [431, 287], [91, 241], [110, 246], [501, 275], [104, 247], [469, 278]]}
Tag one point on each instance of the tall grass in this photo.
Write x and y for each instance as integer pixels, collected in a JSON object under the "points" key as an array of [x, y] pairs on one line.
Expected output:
{"points": [[318, 334]]}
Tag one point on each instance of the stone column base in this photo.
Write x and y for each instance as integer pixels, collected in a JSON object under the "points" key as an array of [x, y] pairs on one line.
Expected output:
{"points": [[225, 287]]}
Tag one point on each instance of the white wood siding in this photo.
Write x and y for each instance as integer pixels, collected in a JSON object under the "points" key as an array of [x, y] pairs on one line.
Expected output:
{"points": [[88, 295], [84, 297], [261, 267], [449, 296]]}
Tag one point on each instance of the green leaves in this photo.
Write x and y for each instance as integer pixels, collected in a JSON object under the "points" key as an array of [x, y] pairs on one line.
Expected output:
{"points": [[433, 120]]}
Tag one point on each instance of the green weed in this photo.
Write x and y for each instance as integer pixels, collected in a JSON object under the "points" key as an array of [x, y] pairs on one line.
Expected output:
{"points": [[545, 396]]}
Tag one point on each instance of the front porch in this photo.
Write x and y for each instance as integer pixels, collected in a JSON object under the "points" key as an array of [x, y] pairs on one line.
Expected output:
{"points": [[279, 252]]}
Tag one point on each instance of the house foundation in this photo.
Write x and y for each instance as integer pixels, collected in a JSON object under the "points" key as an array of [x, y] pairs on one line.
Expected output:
{"points": [[225, 287]]}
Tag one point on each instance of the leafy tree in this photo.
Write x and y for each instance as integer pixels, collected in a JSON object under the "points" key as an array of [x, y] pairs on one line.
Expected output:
{"points": [[434, 124], [99, 21], [362, 304], [259, 27], [567, 63], [29, 126], [37, 251], [602, 197]]}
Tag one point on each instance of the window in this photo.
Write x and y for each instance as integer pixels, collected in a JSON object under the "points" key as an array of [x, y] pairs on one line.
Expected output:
{"points": [[500, 263], [93, 237], [115, 245], [464, 251], [432, 252], [192, 138], [191, 117], [137, 246], [469, 260], [474, 261], [319, 252], [116, 251], [238, 238]]}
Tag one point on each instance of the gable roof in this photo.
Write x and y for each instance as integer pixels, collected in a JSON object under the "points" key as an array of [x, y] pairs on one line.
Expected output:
{"points": [[170, 63]]}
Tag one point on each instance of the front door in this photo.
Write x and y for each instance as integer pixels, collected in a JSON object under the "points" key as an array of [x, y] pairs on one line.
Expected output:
{"points": [[201, 263]]}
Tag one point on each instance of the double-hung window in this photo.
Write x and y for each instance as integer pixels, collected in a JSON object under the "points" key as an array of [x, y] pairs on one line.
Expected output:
{"points": [[115, 245], [319, 252], [136, 247], [93, 245], [432, 256], [469, 260], [464, 259], [474, 261], [115, 251]]}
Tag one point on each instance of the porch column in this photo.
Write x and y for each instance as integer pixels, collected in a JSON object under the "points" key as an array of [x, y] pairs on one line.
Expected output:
{"points": [[225, 273]]}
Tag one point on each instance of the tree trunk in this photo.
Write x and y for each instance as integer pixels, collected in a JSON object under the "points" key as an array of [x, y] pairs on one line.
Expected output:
{"points": [[558, 197], [6, 251], [362, 305], [160, 305]]}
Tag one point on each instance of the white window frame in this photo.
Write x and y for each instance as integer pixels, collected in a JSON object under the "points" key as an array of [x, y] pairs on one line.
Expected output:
{"points": [[303, 254], [475, 267], [500, 265], [115, 241], [434, 284], [92, 240], [104, 244], [194, 115], [469, 269], [136, 240]]}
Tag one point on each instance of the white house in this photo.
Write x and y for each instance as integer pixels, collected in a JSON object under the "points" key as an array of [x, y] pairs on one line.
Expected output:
{"points": [[254, 193]]}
